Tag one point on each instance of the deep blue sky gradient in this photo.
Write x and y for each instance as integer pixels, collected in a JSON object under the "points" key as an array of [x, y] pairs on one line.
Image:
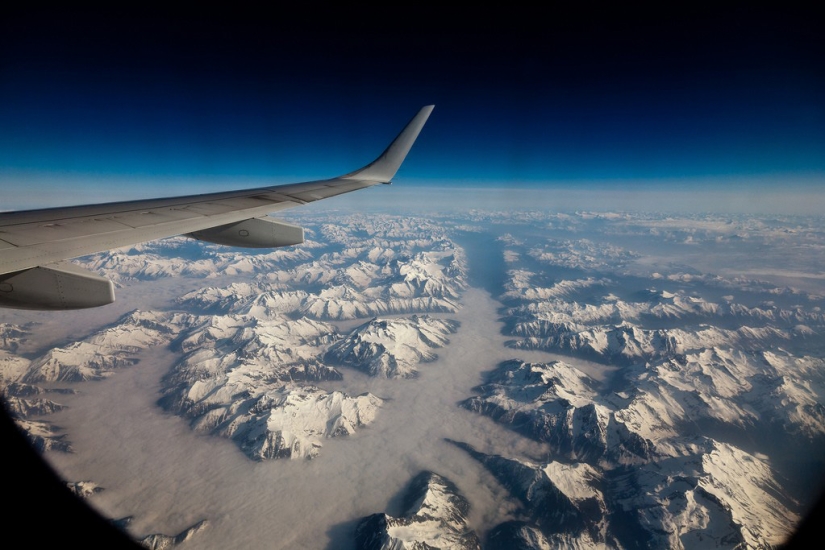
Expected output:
{"points": [[522, 99]]}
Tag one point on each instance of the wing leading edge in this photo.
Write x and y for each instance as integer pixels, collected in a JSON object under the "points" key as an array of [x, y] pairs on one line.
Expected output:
{"points": [[35, 243]]}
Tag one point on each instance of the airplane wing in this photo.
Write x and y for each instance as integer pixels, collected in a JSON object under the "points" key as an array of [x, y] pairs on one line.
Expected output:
{"points": [[34, 244]]}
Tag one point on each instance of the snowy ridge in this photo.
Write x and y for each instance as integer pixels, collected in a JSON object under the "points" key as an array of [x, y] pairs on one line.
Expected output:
{"points": [[260, 300], [714, 492], [84, 489], [572, 512], [739, 389], [240, 379], [713, 392], [291, 422], [158, 541], [391, 348], [706, 362], [435, 517], [575, 481], [232, 359], [520, 286], [21, 407], [43, 436], [342, 303], [429, 281], [11, 335], [108, 350], [581, 254], [12, 367], [626, 343], [519, 535], [184, 257], [274, 348], [93, 358], [78, 362], [537, 311], [557, 404], [387, 266], [711, 492], [24, 401]]}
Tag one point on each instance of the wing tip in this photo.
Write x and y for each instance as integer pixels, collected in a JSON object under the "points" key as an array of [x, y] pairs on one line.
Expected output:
{"points": [[387, 164]]}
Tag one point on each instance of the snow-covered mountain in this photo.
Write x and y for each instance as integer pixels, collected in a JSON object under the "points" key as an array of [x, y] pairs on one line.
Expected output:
{"points": [[751, 392], [392, 348], [435, 517], [556, 403], [249, 380], [84, 489], [581, 254], [184, 257], [562, 502], [277, 348], [343, 302], [159, 541], [626, 343], [712, 382], [363, 283], [12, 367], [711, 494], [108, 350], [11, 335], [288, 422], [44, 436], [695, 377], [246, 379], [22, 407], [541, 308], [745, 391]]}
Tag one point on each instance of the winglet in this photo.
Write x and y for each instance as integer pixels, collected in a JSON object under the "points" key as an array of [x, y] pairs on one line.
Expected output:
{"points": [[384, 167]]}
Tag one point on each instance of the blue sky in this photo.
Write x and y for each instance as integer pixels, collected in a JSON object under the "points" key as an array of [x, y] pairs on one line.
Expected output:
{"points": [[182, 102]]}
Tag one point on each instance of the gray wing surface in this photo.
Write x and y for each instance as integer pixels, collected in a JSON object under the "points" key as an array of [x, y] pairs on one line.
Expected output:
{"points": [[35, 243]]}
